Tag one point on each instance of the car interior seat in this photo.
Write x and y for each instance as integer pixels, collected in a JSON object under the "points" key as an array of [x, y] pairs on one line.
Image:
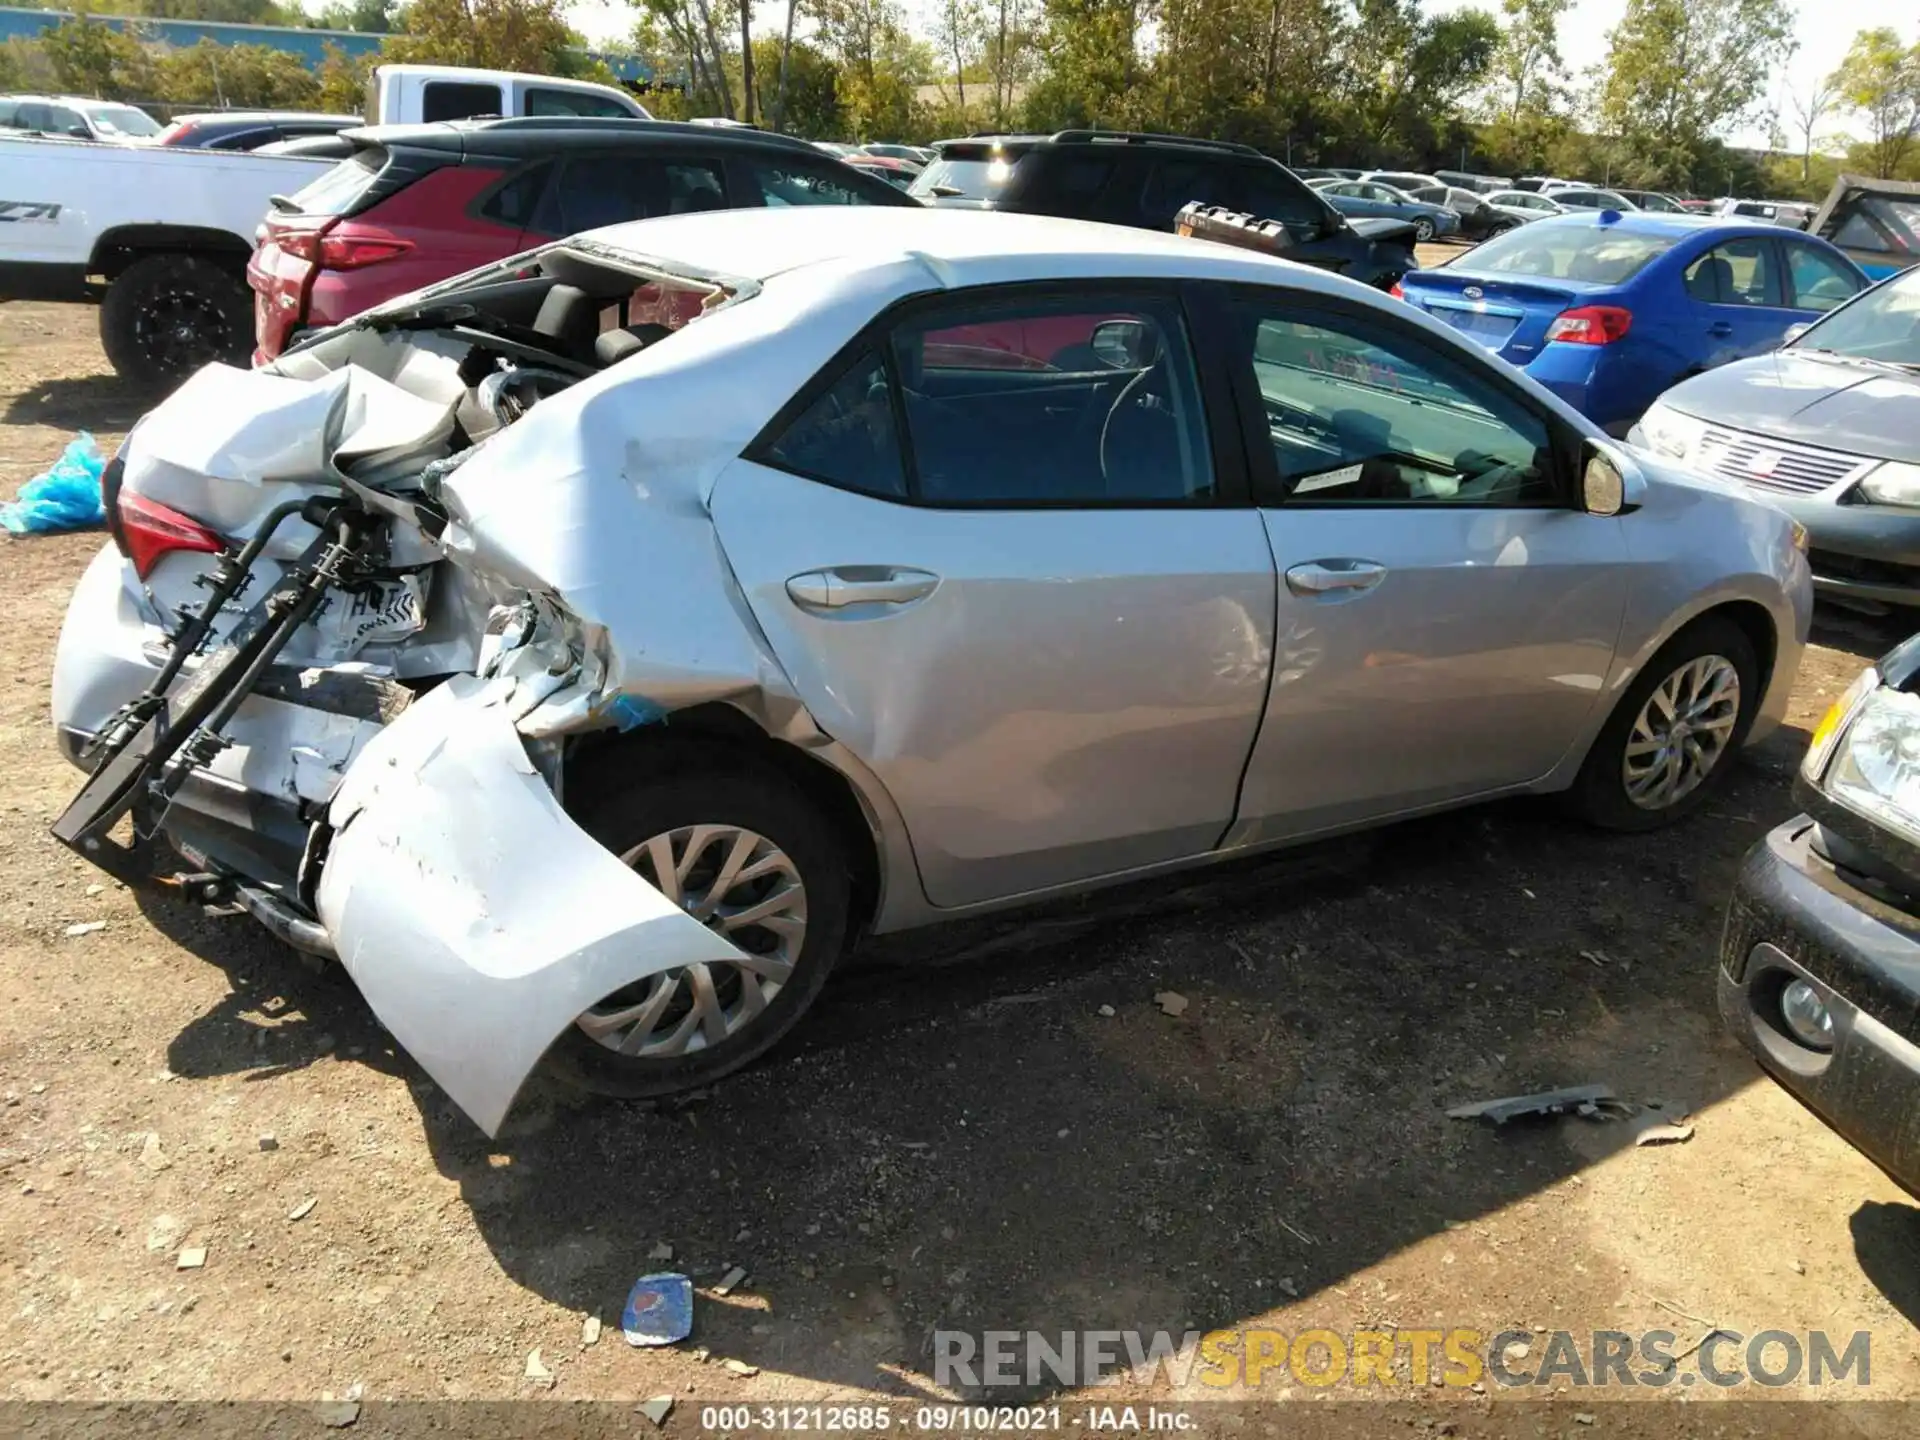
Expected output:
{"points": [[571, 318], [1711, 281]]}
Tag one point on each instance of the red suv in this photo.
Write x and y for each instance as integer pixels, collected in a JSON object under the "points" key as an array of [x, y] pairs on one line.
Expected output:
{"points": [[415, 204]]}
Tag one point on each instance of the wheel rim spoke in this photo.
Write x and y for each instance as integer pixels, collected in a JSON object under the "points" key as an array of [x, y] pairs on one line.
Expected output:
{"points": [[1681, 733], [744, 888]]}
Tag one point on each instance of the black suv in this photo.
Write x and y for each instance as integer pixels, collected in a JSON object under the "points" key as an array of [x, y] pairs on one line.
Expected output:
{"points": [[1144, 180]]}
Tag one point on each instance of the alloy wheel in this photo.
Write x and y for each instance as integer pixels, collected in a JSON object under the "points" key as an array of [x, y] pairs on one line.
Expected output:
{"points": [[743, 886], [181, 330], [1682, 732]]}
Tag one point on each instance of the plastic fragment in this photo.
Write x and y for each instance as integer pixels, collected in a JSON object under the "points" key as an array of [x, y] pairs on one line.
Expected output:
{"points": [[65, 497], [1546, 1102], [659, 1310], [192, 1258], [657, 1408], [629, 712], [734, 1276], [1171, 1002]]}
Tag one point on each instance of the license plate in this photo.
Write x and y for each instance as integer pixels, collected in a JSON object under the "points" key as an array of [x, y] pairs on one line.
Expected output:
{"points": [[377, 613], [1488, 328]]}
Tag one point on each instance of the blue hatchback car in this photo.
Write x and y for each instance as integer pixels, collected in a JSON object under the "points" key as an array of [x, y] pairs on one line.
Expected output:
{"points": [[1609, 309]]}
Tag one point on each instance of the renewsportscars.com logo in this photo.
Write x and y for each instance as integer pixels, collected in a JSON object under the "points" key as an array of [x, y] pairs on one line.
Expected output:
{"points": [[1227, 1361]]}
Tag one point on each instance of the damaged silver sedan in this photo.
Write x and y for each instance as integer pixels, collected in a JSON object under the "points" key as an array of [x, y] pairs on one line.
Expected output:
{"points": [[588, 650]]}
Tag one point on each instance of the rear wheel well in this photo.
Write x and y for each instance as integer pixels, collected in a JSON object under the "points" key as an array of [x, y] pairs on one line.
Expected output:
{"points": [[719, 735], [120, 248]]}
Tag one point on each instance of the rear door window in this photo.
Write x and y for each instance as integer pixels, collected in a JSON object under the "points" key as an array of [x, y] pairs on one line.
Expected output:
{"points": [[544, 100], [1271, 194], [782, 183], [458, 100], [1740, 272], [1175, 183], [596, 190], [516, 202]]}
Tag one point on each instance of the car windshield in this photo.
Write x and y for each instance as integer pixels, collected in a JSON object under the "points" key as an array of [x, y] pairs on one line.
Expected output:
{"points": [[1560, 251], [976, 178], [123, 120], [1883, 324]]}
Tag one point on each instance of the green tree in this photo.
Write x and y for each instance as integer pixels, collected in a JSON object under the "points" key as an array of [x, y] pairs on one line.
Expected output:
{"points": [[525, 35], [1093, 63], [1679, 71], [1880, 81], [812, 99], [91, 57], [881, 66], [237, 77], [371, 17], [1527, 70], [343, 80]]}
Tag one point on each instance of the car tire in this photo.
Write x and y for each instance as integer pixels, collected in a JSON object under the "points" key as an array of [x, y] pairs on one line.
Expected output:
{"points": [[1422, 231], [165, 316], [1695, 661], [672, 792]]}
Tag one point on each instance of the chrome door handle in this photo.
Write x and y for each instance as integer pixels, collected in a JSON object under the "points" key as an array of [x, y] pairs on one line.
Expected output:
{"points": [[860, 585], [1322, 577]]}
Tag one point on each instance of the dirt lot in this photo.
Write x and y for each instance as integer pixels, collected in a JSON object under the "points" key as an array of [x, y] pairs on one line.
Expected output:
{"points": [[961, 1137]]}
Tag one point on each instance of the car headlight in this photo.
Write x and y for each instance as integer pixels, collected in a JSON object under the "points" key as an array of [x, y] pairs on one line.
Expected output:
{"points": [[1820, 749], [1876, 762], [1893, 483], [1670, 433]]}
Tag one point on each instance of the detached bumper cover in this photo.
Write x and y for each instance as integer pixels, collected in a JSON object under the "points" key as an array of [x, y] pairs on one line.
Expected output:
{"points": [[1793, 917], [475, 916]]}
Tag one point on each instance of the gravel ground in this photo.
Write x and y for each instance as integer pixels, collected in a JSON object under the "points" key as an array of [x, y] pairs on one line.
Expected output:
{"points": [[962, 1137]]}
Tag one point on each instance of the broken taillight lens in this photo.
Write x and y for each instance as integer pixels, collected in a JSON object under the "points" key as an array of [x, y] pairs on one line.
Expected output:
{"points": [[146, 530]]}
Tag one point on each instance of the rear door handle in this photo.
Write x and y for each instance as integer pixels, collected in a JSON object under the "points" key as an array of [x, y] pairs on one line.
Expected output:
{"points": [[1720, 328], [860, 585], [1325, 577]]}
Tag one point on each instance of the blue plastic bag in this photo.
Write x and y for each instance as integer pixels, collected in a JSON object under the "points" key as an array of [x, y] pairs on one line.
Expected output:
{"points": [[67, 497]]}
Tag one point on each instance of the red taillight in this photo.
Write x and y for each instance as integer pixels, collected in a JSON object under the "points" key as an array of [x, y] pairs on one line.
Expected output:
{"points": [[147, 530], [1396, 292], [350, 252], [1590, 325]]}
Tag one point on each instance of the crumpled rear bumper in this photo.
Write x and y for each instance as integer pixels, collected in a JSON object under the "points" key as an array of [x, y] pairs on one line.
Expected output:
{"points": [[475, 916]]}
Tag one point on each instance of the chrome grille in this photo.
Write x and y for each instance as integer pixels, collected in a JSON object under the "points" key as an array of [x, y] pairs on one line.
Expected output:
{"points": [[1773, 465]]}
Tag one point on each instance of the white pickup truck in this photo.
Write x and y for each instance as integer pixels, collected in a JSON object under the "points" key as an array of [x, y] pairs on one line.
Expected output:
{"points": [[161, 235]]}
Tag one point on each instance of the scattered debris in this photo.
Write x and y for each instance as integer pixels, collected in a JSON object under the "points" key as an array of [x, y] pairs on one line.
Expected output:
{"points": [[64, 496], [1107, 1012], [337, 1414], [1546, 1102], [537, 1370], [662, 1251], [1297, 1233], [85, 927], [590, 1331], [1581, 1417], [1171, 1002], [733, 1277], [1683, 1314], [1662, 1133], [152, 1155], [659, 1310], [191, 1258], [303, 1209], [657, 1409], [740, 1367], [1799, 1267], [1288, 1288], [268, 1142]]}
